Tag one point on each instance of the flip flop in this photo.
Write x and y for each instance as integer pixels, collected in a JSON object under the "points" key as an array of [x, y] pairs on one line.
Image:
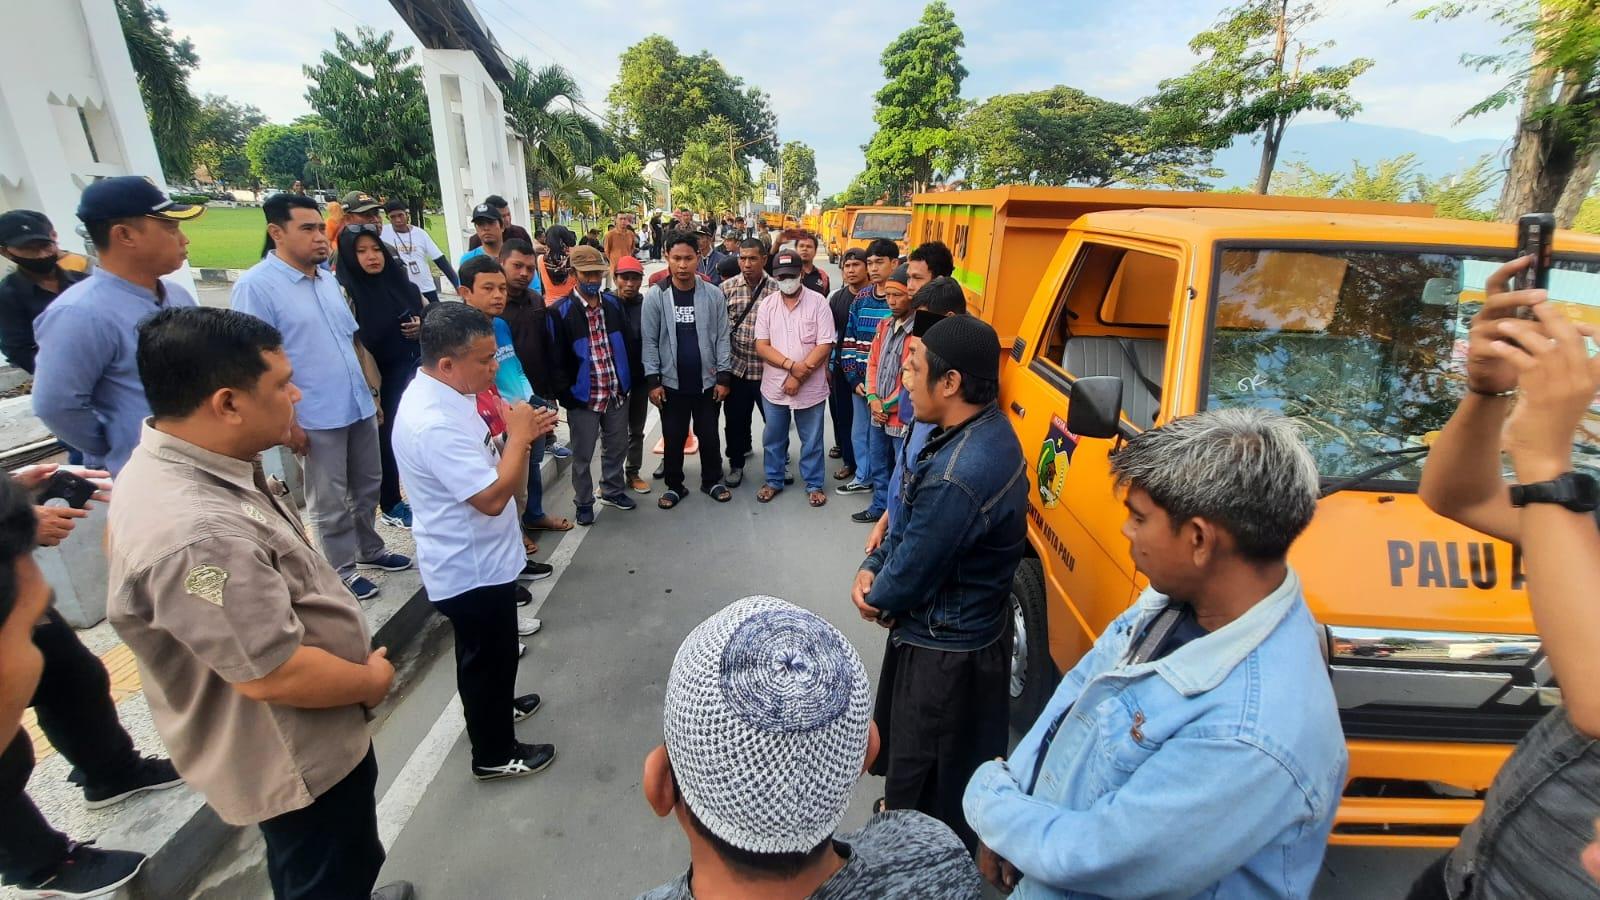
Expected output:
{"points": [[817, 498], [719, 492], [529, 548], [550, 523], [766, 493], [668, 500]]}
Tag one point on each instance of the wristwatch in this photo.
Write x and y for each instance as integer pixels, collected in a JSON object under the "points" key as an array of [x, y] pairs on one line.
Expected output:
{"points": [[1579, 493]]}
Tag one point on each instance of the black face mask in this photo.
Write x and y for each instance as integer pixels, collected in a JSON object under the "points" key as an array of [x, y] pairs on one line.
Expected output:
{"points": [[37, 266]]}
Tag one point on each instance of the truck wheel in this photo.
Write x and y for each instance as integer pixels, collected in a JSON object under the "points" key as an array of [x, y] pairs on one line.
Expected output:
{"points": [[1033, 673]]}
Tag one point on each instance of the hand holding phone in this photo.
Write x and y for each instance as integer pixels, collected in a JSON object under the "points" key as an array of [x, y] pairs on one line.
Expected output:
{"points": [[76, 490], [1535, 235]]}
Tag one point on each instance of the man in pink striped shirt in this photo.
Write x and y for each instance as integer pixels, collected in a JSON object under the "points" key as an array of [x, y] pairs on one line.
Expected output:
{"points": [[795, 335]]}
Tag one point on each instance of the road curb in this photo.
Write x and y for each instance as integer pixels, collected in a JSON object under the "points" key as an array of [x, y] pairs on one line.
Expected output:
{"points": [[182, 836]]}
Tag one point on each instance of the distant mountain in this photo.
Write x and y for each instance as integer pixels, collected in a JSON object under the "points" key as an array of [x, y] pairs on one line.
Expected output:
{"points": [[1332, 146]]}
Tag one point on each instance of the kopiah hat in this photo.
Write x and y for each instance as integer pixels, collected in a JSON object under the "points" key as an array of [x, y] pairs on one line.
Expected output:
{"points": [[483, 212], [967, 344], [20, 227], [629, 264], [766, 722], [130, 196], [360, 202], [585, 258], [787, 262]]}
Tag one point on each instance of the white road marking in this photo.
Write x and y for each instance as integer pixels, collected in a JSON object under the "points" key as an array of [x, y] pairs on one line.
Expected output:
{"points": [[405, 793]]}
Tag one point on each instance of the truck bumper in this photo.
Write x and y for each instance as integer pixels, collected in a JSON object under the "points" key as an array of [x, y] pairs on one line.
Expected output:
{"points": [[1391, 799]]}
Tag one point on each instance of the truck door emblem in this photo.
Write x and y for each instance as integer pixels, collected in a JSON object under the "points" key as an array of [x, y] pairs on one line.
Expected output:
{"points": [[1055, 455]]}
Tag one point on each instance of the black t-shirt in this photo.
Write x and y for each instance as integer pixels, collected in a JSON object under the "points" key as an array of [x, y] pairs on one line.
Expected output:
{"points": [[689, 377]]}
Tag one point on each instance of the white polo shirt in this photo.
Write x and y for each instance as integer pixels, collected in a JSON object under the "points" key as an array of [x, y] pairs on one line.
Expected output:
{"points": [[446, 456], [415, 249]]}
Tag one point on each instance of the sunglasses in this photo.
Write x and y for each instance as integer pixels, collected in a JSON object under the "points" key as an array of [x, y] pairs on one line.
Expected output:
{"points": [[362, 228]]}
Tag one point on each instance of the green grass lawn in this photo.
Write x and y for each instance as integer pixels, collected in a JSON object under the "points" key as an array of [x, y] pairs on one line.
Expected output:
{"points": [[232, 238]]}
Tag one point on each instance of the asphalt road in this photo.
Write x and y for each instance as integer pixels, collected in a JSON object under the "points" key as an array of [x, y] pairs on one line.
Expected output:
{"points": [[627, 591]]}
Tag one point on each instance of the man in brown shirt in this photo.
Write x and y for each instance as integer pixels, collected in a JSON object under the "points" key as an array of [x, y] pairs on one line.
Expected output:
{"points": [[256, 660], [620, 241]]}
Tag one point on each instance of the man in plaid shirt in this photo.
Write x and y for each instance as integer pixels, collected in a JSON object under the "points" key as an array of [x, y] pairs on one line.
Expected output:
{"points": [[745, 292], [591, 375]]}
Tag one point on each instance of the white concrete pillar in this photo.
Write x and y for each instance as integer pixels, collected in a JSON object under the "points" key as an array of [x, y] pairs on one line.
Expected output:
{"points": [[476, 155]]}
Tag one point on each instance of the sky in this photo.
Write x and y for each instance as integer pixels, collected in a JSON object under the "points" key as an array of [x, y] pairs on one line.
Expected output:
{"points": [[821, 67]]}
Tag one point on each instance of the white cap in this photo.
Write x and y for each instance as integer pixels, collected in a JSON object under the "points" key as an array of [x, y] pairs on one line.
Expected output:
{"points": [[766, 721]]}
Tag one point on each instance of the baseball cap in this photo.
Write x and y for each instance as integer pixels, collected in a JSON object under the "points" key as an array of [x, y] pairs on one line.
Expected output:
{"points": [[483, 212], [127, 196], [629, 264], [23, 226], [585, 258], [360, 202], [787, 262], [766, 720], [855, 253]]}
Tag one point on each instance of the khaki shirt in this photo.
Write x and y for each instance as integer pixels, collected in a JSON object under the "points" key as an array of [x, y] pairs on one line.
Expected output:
{"points": [[213, 583]]}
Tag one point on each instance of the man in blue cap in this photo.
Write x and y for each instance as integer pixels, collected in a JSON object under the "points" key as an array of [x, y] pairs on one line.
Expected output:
{"points": [[86, 386], [28, 240]]}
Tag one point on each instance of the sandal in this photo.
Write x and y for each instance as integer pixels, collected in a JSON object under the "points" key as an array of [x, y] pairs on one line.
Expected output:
{"points": [[817, 498], [668, 500], [835, 453], [880, 805], [549, 523], [529, 548], [845, 473], [719, 492], [766, 493]]}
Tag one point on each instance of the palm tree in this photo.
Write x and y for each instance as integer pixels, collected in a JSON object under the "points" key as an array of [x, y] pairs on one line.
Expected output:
{"points": [[576, 190], [542, 109], [625, 178]]}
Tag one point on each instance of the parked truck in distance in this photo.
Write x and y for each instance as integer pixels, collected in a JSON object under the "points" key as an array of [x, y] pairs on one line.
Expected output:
{"points": [[858, 226], [1124, 309]]}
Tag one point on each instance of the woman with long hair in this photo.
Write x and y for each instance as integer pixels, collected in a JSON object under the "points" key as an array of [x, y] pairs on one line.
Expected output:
{"points": [[388, 309]]}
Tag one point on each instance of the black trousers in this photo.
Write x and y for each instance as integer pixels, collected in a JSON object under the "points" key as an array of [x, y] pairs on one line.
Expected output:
{"points": [[485, 624], [395, 379], [940, 715], [680, 409], [744, 398], [638, 415], [842, 410], [75, 711], [330, 849]]}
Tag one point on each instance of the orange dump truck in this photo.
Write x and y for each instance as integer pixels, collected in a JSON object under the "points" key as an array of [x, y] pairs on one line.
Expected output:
{"points": [[1124, 309]]}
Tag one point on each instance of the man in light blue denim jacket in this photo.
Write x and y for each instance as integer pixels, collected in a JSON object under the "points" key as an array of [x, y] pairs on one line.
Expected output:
{"points": [[1196, 750]]}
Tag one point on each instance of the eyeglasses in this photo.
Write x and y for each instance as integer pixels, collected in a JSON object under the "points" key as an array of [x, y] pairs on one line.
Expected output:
{"points": [[362, 228]]}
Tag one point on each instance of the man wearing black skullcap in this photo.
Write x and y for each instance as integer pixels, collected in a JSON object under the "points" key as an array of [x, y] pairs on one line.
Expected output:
{"points": [[941, 579]]}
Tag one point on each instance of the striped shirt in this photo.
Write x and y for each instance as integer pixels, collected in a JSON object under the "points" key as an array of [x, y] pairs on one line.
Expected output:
{"points": [[865, 313]]}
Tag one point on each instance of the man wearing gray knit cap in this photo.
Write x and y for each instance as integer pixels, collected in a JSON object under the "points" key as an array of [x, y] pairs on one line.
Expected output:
{"points": [[768, 725]]}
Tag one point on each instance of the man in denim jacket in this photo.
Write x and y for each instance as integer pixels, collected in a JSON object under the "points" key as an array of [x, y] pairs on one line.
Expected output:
{"points": [[941, 579], [1196, 750]]}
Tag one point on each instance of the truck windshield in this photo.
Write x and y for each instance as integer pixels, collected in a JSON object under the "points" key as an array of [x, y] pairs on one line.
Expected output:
{"points": [[872, 225], [1366, 348]]}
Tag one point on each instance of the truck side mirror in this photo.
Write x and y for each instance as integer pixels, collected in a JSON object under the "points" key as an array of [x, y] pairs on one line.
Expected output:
{"points": [[1094, 408]]}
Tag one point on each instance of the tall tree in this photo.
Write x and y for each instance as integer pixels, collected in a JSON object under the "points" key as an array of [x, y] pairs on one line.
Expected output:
{"points": [[542, 108], [1064, 136], [919, 108], [219, 135], [1551, 60], [799, 181], [1255, 79], [709, 180], [280, 155], [661, 95], [162, 63], [378, 136]]}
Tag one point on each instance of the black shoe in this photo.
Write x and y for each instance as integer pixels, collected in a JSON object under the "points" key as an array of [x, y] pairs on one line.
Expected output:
{"points": [[867, 516], [533, 571], [787, 478], [526, 759], [86, 872], [524, 707], [395, 890], [660, 472], [147, 774], [523, 597], [734, 478]]}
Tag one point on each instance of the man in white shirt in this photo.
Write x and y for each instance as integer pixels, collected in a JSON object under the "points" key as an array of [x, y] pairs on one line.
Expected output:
{"points": [[416, 249], [469, 545]]}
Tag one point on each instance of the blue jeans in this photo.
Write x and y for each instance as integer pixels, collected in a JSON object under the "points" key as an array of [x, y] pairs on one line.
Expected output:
{"points": [[882, 449], [535, 510], [775, 443], [861, 440]]}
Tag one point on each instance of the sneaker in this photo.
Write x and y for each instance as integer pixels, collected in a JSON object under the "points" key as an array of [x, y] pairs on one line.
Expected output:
{"points": [[524, 707], [521, 649], [526, 759], [523, 596], [660, 472], [362, 588], [585, 515], [734, 478], [148, 774], [559, 451], [618, 501], [867, 516], [398, 515], [395, 890], [787, 478], [528, 626], [86, 872], [639, 485], [853, 487], [388, 562], [534, 571]]}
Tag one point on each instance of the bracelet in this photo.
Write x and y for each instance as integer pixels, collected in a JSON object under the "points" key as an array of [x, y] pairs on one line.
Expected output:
{"points": [[1502, 394], [871, 397]]}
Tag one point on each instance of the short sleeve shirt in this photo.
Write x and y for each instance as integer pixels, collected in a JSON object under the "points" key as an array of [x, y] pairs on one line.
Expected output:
{"points": [[416, 248], [446, 455], [214, 583], [795, 332]]}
